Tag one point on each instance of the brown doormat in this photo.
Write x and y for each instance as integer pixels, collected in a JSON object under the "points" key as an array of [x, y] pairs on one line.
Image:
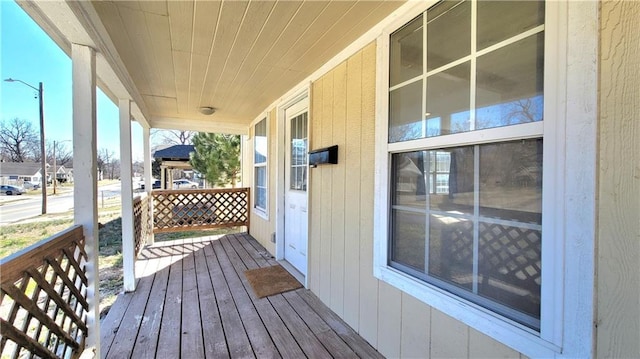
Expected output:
{"points": [[271, 280]]}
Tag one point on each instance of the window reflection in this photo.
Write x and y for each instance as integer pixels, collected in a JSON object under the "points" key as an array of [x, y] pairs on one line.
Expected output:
{"points": [[510, 84], [298, 160], [447, 218], [405, 52]]}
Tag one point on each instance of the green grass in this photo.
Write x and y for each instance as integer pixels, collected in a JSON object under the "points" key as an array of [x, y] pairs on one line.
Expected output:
{"points": [[18, 236]]}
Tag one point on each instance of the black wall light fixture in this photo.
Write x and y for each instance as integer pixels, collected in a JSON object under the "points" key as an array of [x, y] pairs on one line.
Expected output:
{"points": [[323, 156]]}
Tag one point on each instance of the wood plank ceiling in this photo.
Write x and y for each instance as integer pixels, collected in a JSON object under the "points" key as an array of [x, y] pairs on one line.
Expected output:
{"points": [[235, 56]]}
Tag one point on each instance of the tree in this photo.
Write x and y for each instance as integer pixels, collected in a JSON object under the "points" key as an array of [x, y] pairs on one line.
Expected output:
{"points": [[156, 168], [63, 154], [217, 157], [174, 137], [105, 157], [18, 140]]}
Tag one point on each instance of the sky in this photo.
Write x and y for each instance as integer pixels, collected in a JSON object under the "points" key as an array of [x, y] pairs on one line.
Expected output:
{"points": [[30, 55]]}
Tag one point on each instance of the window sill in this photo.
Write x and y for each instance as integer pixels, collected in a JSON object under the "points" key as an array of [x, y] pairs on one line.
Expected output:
{"points": [[260, 213], [514, 335]]}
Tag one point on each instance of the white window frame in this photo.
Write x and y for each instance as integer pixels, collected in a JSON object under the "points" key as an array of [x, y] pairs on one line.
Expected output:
{"points": [[262, 212], [567, 293]]}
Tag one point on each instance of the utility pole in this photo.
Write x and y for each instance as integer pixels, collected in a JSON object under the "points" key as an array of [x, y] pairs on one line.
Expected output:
{"points": [[43, 157]]}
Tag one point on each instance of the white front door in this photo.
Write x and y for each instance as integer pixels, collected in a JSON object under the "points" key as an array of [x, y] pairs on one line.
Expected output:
{"points": [[295, 201]]}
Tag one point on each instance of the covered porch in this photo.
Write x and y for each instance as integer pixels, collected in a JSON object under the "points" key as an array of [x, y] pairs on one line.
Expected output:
{"points": [[193, 301]]}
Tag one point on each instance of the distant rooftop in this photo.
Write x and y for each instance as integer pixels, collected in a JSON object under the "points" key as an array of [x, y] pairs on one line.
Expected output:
{"points": [[174, 153]]}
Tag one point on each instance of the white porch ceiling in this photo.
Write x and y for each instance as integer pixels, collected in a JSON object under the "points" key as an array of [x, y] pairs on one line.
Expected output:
{"points": [[236, 56]]}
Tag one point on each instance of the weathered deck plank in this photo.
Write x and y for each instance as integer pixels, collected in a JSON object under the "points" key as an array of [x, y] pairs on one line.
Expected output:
{"points": [[193, 301], [237, 339], [169, 337], [215, 345]]}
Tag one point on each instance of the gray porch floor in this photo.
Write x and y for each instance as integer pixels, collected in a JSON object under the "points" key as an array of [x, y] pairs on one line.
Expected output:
{"points": [[193, 301]]}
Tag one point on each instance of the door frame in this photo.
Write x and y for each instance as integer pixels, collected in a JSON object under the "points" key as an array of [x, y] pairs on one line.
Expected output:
{"points": [[296, 96]]}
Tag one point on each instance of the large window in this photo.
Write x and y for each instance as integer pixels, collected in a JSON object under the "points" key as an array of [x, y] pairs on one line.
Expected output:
{"points": [[465, 144], [260, 166]]}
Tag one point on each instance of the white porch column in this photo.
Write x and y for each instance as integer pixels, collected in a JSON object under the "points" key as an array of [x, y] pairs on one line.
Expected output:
{"points": [[163, 177], [126, 193], [85, 190], [148, 182]]}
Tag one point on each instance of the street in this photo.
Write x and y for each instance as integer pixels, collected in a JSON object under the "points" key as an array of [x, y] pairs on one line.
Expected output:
{"points": [[24, 207]]}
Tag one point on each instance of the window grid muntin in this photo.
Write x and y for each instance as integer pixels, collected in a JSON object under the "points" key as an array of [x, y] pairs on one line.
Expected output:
{"points": [[425, 143], [476, 219], [298, 161], [471, 57], [260, 163]]}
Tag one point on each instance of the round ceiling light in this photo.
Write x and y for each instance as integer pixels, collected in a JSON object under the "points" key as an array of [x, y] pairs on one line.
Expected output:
{"points": [[206, 110]]}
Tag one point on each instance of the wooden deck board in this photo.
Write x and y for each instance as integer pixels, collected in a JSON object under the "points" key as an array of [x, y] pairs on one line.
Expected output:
{"points": [[193, 301], [169, 337], [284, 339], [215, 345], [147, 341], [191, 335], [237, 339]]}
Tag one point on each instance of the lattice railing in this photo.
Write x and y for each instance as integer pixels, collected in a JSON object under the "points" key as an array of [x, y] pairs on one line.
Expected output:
{"points": [[179, 210], [509, 253], [43, 299], [141, 221]]}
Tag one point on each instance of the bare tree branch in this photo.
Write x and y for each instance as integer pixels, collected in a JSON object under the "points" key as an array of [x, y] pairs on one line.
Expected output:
{"points": [[18, 140]]}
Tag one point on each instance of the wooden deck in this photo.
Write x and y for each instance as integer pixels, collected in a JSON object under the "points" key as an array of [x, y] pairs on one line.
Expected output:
{"points": [[193, 301]]}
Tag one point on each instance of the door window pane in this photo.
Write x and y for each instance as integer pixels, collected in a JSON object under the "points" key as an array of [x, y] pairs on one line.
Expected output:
{"points": [[298, 158]]}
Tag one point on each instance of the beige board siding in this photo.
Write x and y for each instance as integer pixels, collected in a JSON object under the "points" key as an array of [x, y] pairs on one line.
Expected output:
{"points": [[341, 229], [618, 271], [263, 228]]}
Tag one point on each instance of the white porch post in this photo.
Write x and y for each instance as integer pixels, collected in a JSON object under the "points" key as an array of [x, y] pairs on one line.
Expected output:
{"points": [[148, 183], [85, 190], [163, 177], [126, 174]]}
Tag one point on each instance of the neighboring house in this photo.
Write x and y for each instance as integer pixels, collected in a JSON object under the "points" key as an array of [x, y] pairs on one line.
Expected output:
{"points": [[20, 172], [64, 175], [486, 199], [172, 158]]}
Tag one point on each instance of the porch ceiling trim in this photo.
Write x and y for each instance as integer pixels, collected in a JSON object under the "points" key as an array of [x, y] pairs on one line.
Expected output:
{"points": [[215, 126]]}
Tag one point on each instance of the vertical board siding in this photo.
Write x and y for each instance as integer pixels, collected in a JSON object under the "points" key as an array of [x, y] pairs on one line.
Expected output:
{"points": [[325, 174], [415, 336], [618, 273], [315, 191], [450, 339], [389, 320], [482, 346], [338, 194], [341, 228], [368, 284], [351, 157]]}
